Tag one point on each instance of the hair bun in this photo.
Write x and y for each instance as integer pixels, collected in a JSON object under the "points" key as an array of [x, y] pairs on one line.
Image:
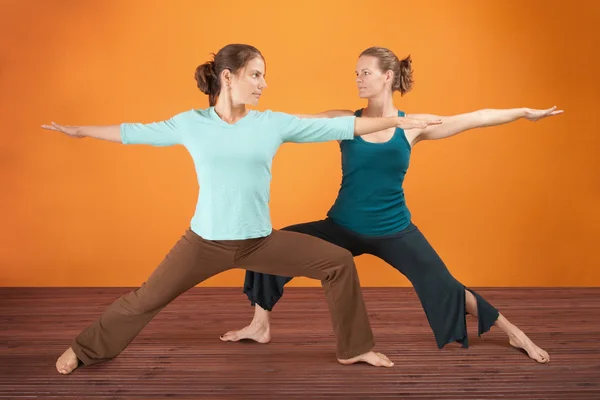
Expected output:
{"points": [[206, 78]]}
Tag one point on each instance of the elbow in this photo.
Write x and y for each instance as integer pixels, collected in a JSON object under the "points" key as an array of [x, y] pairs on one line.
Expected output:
{"points": [[481, 118]]}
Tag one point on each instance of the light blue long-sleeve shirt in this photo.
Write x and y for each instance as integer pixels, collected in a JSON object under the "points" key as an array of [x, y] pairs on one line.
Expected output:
{"points": [[233, 162]]}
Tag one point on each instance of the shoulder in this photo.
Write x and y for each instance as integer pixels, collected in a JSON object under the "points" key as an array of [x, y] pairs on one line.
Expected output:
{"points": [[270, 113], [194, 113], [194, 116], [275, 116], [185, 116]]}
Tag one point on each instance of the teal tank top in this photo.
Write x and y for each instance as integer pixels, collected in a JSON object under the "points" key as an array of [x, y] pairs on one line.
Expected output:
{"points": [[371, 197]]}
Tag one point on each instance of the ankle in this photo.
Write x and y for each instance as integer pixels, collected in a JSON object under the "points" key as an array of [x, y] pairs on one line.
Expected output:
{"points": [[514, 333], [260, 323], [261, 315]]}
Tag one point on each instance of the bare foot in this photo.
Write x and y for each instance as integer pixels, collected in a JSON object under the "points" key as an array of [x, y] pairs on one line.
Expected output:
{"points": [[260, 333], [375, 359], [67, 363], [521, 341]]}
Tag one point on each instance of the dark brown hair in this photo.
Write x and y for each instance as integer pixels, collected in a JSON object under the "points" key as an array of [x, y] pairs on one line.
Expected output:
{"points": [[402, 69], [232, 57]]}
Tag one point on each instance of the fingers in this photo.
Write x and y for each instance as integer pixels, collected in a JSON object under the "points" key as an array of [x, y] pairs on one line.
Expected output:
{"points": [[49, 127], [551, 111], [426, 122], [55, 127], [535, 115]]}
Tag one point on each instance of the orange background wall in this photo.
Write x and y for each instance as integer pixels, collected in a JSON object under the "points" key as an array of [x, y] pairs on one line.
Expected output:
{"points": [[507, 206]]}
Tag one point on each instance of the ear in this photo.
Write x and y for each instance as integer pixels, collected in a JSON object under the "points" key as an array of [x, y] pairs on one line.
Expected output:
{"points": [[389, 76], [226, 77]]}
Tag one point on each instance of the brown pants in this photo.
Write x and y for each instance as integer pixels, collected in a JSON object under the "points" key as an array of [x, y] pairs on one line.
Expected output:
{"points": [[194, 260]]}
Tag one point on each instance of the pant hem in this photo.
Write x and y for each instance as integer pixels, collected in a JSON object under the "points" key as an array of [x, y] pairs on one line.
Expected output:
{"points": [[356, 352], [81, 357]]}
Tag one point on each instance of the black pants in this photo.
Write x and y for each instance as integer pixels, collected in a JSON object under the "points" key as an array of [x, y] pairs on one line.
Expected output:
{"points": [[441, 295]]}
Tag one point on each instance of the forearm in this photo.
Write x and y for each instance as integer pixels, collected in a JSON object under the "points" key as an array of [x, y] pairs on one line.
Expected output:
{"points": [[111, 133], [363, 126], [335, 113], [344, 127], [459, 123], [327, 114], [492, 117]]}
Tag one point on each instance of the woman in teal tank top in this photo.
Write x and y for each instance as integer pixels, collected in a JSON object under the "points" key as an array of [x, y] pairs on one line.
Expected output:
{"points": [[370, 215]]}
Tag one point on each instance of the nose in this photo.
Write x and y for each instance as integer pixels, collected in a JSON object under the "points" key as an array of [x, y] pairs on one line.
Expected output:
{"points": [[358, 80], [263, 84]]}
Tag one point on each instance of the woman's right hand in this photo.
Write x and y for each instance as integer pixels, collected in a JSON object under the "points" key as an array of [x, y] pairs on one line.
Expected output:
{"points": [[416, 123], [72, 131]]}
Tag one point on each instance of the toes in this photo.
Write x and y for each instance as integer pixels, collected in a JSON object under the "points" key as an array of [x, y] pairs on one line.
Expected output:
{"points": [[541, 357], [385, 359], [382, 361], [231, 336], [64, 368], [387, 362]]}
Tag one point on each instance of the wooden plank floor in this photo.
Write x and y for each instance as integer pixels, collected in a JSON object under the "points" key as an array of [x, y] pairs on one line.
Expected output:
{"points": [[179, 354]]}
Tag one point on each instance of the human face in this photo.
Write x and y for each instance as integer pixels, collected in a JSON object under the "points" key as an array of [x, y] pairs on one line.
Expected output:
{"points": [[370, 80], [249, 82]]}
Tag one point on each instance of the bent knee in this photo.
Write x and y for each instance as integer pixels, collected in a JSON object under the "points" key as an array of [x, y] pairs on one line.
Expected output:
{"points": [[341, 256], [341, 265]]}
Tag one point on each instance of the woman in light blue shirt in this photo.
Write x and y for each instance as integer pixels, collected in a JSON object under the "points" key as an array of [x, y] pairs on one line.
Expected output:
{"points": [[232, 149]]}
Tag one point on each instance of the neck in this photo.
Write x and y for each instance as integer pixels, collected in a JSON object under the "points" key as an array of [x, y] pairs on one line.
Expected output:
{"points": [[381, 106], [228, 111]]}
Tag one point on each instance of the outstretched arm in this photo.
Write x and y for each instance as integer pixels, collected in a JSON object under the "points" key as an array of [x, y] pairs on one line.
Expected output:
{"points": [[456, 124], [162, 133], [364, 126], [111, 133], [327, 114], [304, 130], [381, 123]]}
